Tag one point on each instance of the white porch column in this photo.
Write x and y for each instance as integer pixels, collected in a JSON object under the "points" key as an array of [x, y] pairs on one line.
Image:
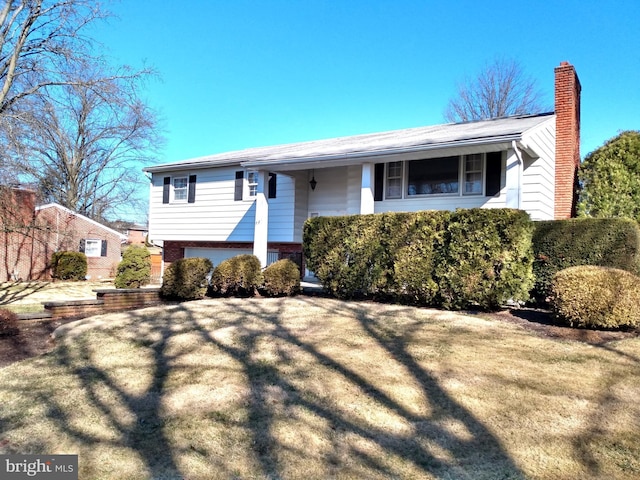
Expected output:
{"points": [[513, 179], [366, 190], [261, 229]]}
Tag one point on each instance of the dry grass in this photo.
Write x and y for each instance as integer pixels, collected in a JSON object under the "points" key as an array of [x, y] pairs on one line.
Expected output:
{"points": [[317, 388], [23, 297]]}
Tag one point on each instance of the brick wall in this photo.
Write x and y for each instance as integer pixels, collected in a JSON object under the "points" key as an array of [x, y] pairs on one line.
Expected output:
{"points": [[567, 107], [17, 228]]}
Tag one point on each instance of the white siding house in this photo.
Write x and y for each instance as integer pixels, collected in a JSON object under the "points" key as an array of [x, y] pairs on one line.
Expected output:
{"points": [[256, 200]]}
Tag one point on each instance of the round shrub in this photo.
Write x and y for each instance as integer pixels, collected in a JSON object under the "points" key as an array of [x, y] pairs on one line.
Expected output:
{"points": [[281, 278], [69, 265], [134, 271], [596, 297], [239, 275], [8, 323], [186, 279]]}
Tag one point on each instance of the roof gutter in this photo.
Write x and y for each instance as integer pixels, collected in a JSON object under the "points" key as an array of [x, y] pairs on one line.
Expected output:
{"points": [[272, 162], [188, 166]]}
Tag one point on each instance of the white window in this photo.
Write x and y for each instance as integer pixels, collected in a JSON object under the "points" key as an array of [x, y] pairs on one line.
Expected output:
{"points": [[394, 180], [433, 176], [180, 189], [455, 175], [252, 183], [92, 248], [473, 174]]}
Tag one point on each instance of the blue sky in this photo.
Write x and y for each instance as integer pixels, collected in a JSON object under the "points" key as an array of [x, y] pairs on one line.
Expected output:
{"points": [[237, 74]]}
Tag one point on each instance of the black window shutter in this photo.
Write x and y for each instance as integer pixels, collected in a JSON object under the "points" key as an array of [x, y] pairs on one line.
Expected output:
{"points": [[378, 182], [239, 186], [81, 248], [165, 189], [494, 172], [192, 189], [272, 185], [103, 248]]}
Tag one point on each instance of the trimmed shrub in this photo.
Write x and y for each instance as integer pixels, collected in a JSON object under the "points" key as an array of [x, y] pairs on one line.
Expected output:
{"points": [[596, 297], [240, 275], [281, 278], [487, 259], [69, 265], [339, 251], [186, 279], [8, 323], [134, 271], [559, 244], [470, 258]]}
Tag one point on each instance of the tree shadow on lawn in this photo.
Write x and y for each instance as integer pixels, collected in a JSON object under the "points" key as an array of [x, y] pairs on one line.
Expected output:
{"points": [[355, 441], [15, 291], [140, 426], [416, 448]]}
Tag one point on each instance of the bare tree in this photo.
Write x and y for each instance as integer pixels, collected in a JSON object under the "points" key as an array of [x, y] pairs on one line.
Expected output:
{"points": [[85, 146], [68, 122], [501, 89], [41, 41]]}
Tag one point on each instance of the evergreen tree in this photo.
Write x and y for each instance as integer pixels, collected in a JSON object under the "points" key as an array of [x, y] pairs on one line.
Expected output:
{"points": [[610, 179]]}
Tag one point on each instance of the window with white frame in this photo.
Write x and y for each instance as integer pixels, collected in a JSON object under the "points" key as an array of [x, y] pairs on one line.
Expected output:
{"points": [[473, 174], [180, 189], [92, 247], [394, 180], [433, 176], [252, 183]]}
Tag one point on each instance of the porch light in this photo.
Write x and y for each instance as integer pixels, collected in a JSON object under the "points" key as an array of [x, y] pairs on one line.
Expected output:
{"points": [[313, 182]]}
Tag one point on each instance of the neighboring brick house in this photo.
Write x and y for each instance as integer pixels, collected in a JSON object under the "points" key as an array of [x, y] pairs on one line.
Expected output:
{"points": [[137, 235], [30, 235], [74, 232]]}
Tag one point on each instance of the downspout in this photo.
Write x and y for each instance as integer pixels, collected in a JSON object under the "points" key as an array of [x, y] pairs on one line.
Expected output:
{"points": [[518, 153]]}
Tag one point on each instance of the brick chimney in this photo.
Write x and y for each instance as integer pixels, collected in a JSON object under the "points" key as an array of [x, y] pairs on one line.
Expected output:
{"points": [[567, 99]]}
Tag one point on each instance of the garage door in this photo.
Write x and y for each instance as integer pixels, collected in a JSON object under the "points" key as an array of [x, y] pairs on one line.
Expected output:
{"points": [[216, 255]]}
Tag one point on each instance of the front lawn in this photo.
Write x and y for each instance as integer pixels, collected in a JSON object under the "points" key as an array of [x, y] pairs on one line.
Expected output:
{"points": [[310, 387]]}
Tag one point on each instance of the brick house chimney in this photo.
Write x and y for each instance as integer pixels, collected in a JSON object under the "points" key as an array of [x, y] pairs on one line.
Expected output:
{"points": [[567, 107]]}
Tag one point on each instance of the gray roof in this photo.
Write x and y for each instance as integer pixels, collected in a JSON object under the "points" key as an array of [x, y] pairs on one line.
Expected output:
{"points": [[372, 144]]}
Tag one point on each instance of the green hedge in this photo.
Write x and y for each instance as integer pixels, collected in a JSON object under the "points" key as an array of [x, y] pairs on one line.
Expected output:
{"points": [[559, 244], [186, 279], [69, 265], [134, 271], [597, 297], [469, 258]]}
